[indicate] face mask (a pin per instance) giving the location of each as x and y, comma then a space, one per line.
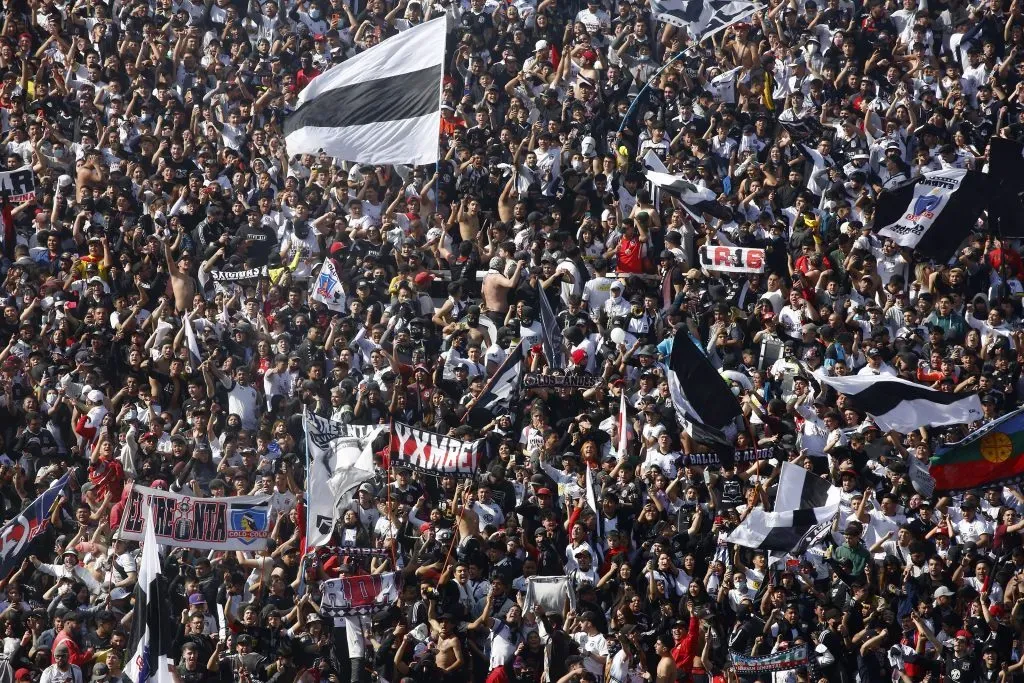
812, 48
577, 165
314, 14
929, 79
51, 397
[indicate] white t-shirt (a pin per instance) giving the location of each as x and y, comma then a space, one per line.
592, 645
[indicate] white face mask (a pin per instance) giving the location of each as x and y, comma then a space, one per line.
577, 165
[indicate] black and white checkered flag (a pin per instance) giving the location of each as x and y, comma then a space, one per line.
702, 18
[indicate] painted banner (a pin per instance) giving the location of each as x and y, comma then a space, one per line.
358, 595
20, 183
182, 521
238, 275
575, 380
732, 259
433, 453
777, 661
711, 459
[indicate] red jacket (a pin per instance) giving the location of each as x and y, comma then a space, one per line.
684, 650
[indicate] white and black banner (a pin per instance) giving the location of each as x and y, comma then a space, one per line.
238, 275
18, 185
327, 289
358, 595
383, 106
702, 18
550, 592
931, 195
338, 463
900, 405
182, 521
732, 259
433, 453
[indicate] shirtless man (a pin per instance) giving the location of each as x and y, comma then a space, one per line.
183, 285
449, 657
744, 52
496, 287
666, 665
469, 218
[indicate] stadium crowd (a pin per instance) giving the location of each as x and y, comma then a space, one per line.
154, 130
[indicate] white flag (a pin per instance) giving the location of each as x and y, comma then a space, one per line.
327, 287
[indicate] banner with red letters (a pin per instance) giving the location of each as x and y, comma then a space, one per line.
432, 453
732, 259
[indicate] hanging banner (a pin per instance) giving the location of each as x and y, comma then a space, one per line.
778, 661
238, 275
358, 595
732, 259
575, 380
181, 521
711, 459
433, 453
19, 183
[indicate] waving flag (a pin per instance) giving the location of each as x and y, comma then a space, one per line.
383, 106
550, 333
194, 353
991, 455
327, 287
153, 626
17, 535
702, 18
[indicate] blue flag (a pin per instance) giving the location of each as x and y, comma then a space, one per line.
17, 535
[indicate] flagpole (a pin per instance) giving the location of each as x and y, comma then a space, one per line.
650, 81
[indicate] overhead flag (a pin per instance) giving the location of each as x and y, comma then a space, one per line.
805, 506
503, 386
195, 354
896, 404
337, 462
383, 106
934, 212
702, 18
432, 453
696, 199
153, 626
358, 595
992, 455
704, 405
550, 332
17, 535
327, 289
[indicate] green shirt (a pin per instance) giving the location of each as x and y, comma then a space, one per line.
858, 555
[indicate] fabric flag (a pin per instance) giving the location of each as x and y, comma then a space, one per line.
920, 478
431, 453
550, 592
17, 535
900, 405
992, 455
327, 287
623, 427
934, 212
336, 464
805, 506
503, 386
383, 106
153, 626
194, 352
550, 332
697, 200
723, 86
783, 660
704, 405
1006, 174
591, 495
702, 18
358, 595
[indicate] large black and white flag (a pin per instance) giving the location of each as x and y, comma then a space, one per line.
897, 404
383, 106
702, 18
934, 212
153, 626
550, 332
704, 405
696, 199
805, 506
504, 384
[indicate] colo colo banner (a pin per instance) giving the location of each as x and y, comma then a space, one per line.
930, 196
238, 275
358, 595
778, 661
19, 184
234, 523
712, 459
575, 380
433, 453
17, 535
732, 259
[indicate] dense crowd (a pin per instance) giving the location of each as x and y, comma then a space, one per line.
154, 129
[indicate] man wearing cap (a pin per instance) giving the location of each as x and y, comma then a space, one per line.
63, 670
853, 549
69, 568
